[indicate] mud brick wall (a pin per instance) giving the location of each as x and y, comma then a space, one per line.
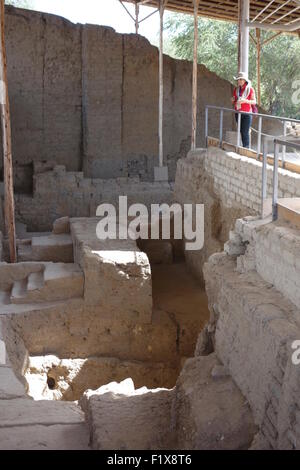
255, 319
238, 179
59, 192
229, 186
86, 97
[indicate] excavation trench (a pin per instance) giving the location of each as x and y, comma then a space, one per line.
73, 344
177, 293
119, 311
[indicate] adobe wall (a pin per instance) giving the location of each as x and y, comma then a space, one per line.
229, 186
255, 318
86, 97
58, 193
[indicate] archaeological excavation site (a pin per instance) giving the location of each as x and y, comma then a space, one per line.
144, 342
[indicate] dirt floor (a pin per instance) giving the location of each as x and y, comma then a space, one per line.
176, 291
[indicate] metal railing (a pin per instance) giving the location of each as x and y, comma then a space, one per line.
277, 143
260, 116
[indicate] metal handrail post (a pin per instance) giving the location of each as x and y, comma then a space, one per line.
275, 181
206, 126
259, 136
264, 174
238, 140
284, 147
221, 127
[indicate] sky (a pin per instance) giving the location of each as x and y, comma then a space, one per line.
104, 12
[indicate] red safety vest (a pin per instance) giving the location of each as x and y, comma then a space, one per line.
247, 108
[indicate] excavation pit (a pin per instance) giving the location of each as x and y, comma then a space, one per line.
115, 312
175, 291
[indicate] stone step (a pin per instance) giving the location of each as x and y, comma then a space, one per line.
45, 425
51, 247
63, 281
4, 297
58, 281
29, 308
41, 437
18, 291
35, 281
289, 210
24, 411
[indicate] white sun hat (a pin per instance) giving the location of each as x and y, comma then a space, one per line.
243, 76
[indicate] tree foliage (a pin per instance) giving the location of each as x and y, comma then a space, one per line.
19, 3
217, 50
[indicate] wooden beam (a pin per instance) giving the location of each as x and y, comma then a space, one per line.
271, 38
228, 10
253, 38
9, 204
137, 10
162, 4
126, 9
195, 77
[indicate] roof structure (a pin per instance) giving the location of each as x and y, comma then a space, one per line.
277, 15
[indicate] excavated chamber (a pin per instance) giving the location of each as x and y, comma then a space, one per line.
105, 316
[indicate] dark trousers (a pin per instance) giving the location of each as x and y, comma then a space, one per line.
246, 121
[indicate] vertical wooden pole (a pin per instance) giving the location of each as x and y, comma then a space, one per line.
161, 82
7, 153
258, 50
195, 76
137, 11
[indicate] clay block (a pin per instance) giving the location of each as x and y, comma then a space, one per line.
122, 418
24, 411
211, 414
39, 437
61, 225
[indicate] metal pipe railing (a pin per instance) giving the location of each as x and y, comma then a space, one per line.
267, 116
260, 116
277, 143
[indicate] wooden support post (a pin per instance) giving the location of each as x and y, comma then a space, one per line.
6, 138
258, 51
161, 171
137, 11
195, 76
161, 82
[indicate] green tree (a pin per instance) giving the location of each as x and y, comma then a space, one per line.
217, 50
19, 3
